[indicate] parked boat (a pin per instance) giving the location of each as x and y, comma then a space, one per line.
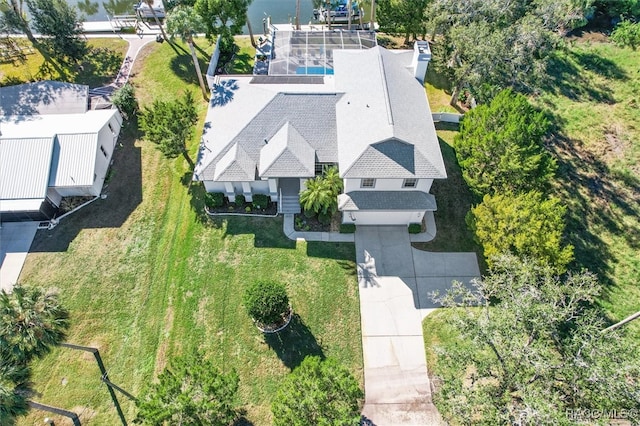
144, 11
339, 12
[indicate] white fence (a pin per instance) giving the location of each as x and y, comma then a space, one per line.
213, 64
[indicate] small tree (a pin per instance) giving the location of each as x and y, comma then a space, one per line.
31, 322
318, 393
627, 34
190, 391
267, 302
125, 99
320, 196
169, 124
500, 148
525, 225
60, 24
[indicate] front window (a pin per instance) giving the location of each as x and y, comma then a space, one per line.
368, 183
410, 183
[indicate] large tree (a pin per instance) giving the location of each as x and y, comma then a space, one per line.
495, 44
525, 225
184, 22
500, 147
406, 17
59, 23
191, 391
529, 350
170, 125
14, 18
318, 392
223, 17
31, 322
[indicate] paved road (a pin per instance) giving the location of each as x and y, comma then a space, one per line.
395, 281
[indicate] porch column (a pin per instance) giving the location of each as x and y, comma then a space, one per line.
273, 189
246, 191
303, 185
230, 191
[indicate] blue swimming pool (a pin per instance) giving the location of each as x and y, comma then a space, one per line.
314, 71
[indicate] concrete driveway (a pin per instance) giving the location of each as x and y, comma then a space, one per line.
395, 282
15, 241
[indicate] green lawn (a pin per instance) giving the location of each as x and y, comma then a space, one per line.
98, 68
594, 95
147, 277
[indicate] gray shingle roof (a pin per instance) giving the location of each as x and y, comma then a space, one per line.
386, 201
287, 154
312, 116
24, 168
384, 104
236, 165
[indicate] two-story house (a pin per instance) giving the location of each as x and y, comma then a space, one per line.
369, 117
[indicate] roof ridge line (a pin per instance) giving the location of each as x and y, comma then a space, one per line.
385, 89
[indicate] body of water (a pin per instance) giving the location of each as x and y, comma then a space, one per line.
281, 11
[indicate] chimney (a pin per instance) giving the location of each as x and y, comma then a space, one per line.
421, 58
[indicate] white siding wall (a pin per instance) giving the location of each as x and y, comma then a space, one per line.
257, 187
382, 218
76, 191
212, 186
387, 185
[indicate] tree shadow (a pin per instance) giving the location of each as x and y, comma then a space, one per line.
182, 67
123, 188
242, 421
331, 250
597, 199
39, 97
455, 200
241, 63
267, 231
567, 76
99, 67
222, 93
294, 343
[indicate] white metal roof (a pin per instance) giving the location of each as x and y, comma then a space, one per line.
24, 168
74, 158
52, 124
44, 97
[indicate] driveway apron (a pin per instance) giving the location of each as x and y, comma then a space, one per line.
395, 282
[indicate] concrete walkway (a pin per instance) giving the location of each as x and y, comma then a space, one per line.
15, 241
395, 281
292, 234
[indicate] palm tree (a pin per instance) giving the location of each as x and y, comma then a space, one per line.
318, 197
183, 21
31, 322
14, 391
333, 180
349, 10
253, 39
155, 17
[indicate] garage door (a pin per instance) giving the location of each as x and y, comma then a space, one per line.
382, 218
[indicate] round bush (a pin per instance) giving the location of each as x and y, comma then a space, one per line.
266, 302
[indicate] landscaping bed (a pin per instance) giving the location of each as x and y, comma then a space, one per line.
244, 208
303, 223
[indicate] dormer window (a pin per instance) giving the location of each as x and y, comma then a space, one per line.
410, 183
368, 183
